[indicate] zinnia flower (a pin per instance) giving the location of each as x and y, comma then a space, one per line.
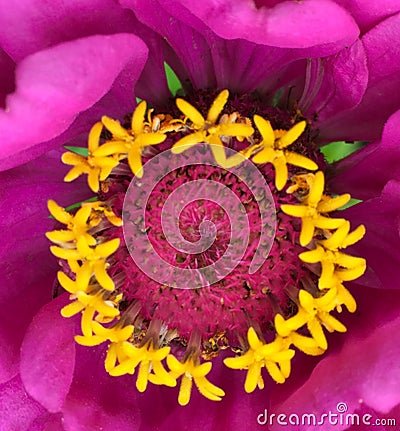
197, 234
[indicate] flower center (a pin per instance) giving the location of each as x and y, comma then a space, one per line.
226, 305
211, 252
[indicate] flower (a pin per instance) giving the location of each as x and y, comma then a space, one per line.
63, 86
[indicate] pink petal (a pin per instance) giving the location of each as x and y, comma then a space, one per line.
311, 22
368, 383
190, 46
33, 25
48, 355
152, 84
240, 64
366, 121
113, 402
380, 246
368, 13
30, 26
337, 84
50, 422
24, 219
7, 70
235, 412
364, 371
365, 173
55, 85
18, 410
99, 401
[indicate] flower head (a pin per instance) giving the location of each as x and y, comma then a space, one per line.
221, 282
255, 97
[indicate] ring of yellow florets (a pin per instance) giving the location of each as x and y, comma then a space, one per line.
92, 290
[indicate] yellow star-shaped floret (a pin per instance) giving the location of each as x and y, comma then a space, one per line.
274, 356
344, 297
88, 297
96, 258
191, 370
273, 150
94, 333
94, 302
80, 284
313, 206
150, 369
93, 258
342, 238
97, 167
207, 130
115, 354
328, 254
314, 312
130, 143
77, 225
286, 330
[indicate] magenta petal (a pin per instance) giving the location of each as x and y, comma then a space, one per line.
287, 25
98, 401
373, 309
50, 422
24, 219
48, 355
18, 411
32, 25
365, 173
182, 34
365, 371
7, 70
256, 63
335, 84
368, 13
152, 84
213, 61
55, 85
366, 121
380, 246
237, 411
366, 381
113, 403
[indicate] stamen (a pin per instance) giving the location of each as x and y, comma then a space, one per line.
149, 358
274, 356
273, 145
99, 334
130, 143
77, 225
314, 205
206, 130
331, 260
191, 370
312, 312
96, 167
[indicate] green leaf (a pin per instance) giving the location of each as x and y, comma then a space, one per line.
336, 151
78, 150
79, 204
174, 84
349, 204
